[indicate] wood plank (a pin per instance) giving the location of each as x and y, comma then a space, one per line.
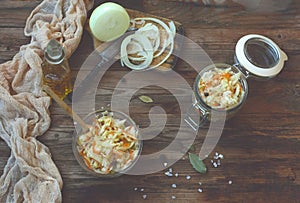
233, 16
260, 143
19, 4
10, 42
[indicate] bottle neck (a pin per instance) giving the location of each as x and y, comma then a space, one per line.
54, 52
54, 60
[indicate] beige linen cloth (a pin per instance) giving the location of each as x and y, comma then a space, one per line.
30, 175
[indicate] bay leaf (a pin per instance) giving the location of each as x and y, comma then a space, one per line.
192, 148
145, 99
197, 163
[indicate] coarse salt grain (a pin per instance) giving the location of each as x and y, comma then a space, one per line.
142, 189
174, 185
144, 196
230, 182
165, 164
135, 189
168, 174
173, 197
218, 156
215, 165
176, 174
200, 190
188, 177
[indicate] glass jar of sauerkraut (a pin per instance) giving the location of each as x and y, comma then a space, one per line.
223, 87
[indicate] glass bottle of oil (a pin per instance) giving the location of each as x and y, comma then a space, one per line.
56, 70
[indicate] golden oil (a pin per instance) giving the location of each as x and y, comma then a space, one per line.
56, 70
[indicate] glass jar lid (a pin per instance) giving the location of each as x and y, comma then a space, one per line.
54, 52
259, 55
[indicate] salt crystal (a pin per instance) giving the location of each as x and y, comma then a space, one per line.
165, 164
170, 170
176, 174
200, 190
142, 189
188, 177
168, 174
144, 196
215, 165
135, 189
200, 183
173, 197
221, 156
230, 182
174, 185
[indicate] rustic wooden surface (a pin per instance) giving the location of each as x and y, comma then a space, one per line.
261, 143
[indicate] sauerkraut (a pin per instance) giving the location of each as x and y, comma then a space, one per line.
109, 146
220, 88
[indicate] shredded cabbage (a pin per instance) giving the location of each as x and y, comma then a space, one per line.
220, 88
108, 146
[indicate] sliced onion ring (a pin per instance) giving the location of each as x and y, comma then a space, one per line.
168, 41
150, 44
146, 44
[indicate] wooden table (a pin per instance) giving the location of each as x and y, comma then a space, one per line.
261, 143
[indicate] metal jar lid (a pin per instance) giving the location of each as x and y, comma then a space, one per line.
259, 55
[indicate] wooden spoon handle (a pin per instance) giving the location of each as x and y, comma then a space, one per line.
64, 106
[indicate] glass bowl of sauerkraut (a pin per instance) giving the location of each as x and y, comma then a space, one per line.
110, 147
